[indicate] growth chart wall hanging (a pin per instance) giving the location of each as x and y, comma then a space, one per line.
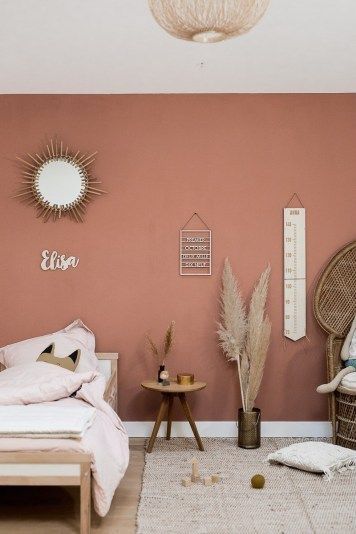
294, 272
195, 249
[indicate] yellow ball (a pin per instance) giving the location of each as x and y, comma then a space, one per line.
258, 481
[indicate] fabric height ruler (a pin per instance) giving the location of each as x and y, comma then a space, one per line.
294, 273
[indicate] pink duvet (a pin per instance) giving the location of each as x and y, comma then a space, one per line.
106, 440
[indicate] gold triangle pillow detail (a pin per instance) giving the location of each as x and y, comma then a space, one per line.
66, 362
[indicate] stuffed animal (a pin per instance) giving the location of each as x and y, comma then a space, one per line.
67, 362
348, 355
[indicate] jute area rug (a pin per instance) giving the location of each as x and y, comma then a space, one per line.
292, 501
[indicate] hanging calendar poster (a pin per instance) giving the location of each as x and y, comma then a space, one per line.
195, 250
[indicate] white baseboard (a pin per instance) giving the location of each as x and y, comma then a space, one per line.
228, 429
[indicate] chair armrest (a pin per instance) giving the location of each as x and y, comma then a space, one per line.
333, 360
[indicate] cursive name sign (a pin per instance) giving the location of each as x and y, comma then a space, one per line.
54, 260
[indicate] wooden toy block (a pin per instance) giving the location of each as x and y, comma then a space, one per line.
186, 482
208, 481
215, 478
195, 471
195, 480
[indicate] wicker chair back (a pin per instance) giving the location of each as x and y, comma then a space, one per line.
335, 293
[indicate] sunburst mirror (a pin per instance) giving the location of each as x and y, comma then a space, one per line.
58, 182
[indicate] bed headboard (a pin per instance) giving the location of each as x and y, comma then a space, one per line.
107, 363
108, 367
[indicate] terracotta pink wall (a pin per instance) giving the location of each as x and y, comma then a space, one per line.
236, 159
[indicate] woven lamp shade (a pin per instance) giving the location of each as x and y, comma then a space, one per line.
207, 21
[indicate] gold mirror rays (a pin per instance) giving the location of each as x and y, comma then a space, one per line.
57, 182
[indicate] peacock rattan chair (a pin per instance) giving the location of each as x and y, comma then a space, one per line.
335, 309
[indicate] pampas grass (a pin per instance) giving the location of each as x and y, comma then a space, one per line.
153, 348
257, 339
161, 356
168, 340
233, 326
245, 338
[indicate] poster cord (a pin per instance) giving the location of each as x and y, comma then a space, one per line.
195, 214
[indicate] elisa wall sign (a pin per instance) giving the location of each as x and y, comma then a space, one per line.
55, 260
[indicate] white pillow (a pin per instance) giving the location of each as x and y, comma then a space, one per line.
75, 336
316, 457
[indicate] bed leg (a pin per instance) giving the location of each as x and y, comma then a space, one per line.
85, 500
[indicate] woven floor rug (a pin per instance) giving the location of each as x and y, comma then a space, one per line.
291, 502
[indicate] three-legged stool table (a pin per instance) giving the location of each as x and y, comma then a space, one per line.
168, 393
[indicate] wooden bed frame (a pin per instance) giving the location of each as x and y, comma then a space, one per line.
61, 468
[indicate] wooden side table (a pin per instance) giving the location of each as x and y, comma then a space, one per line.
168, 394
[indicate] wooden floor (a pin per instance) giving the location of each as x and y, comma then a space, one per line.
52, 510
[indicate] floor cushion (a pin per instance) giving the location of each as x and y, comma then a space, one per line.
316, 457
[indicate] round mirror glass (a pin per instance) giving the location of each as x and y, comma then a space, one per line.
60, 182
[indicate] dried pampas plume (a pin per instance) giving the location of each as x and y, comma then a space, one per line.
167, 345
257, 339
153, 348
233, 325
168, 339
245, 339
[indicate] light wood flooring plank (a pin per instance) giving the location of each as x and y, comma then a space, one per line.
52, 510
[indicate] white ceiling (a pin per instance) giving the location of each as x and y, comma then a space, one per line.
115, 46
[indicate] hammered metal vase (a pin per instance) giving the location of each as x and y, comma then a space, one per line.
249, 429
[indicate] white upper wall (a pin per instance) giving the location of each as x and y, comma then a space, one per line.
115, 46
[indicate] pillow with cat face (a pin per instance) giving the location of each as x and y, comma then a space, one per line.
69, 362
72, 348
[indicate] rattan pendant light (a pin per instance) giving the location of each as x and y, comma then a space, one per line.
207, 21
